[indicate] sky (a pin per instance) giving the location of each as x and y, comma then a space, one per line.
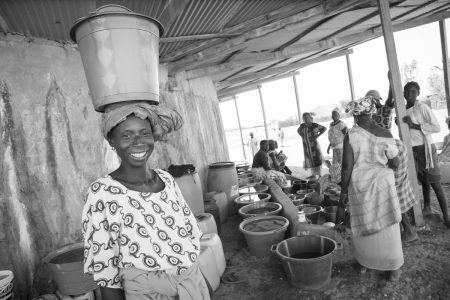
327, 82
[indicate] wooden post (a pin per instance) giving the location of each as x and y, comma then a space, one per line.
240, 128
263, 111
444, 48
399, 102
350, 76
297, 99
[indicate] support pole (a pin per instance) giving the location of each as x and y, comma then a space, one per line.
240, 128
399, 101
297, 99
444, 48
263, 111
350, 76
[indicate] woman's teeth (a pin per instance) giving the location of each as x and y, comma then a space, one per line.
138, 154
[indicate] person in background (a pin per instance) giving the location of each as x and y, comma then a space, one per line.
336, 135
252, 143
405, 193
141, 239
422, 123
310, 131
368, 189
281, 136
277, 160
261, 166
444, 156
383, 115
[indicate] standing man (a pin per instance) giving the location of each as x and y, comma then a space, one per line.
422, 123
281, 136
252, 143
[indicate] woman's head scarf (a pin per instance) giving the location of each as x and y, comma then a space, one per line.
361, 106
163, 120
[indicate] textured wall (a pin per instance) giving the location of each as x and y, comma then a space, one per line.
51, 148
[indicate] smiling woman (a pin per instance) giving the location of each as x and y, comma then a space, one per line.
141, 239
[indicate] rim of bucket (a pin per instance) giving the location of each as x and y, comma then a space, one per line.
8, 279
62, 250
282, 256
318, 208
124, 11
257, 205
239, 201
258, 218
221, 164
248, 186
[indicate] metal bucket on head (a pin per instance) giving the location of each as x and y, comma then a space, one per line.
120, 54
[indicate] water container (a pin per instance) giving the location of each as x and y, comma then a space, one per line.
6, 285
213, 241
212, 208
191, 188
206, 223
66, 267
208, 267
115, 71
222, 204
222, 177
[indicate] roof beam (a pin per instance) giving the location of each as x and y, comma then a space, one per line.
206, 36
265, 19
279, 70
224, 94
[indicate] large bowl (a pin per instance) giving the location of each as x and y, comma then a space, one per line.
252, 198
260, 209
312, 212
251, 189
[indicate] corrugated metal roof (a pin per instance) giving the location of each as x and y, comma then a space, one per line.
264, 28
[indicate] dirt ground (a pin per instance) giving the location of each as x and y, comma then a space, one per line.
425, 275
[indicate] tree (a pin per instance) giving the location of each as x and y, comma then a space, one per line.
409, 72
436, 82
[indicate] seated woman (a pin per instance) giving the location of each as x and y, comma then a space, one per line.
277, 159
141, 239
368, 189
261, 167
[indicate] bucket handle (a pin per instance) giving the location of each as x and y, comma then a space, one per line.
339, 246
273, 248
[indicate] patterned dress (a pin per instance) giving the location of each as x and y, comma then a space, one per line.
311, 148
373, 202
405, 192
124, 228
383, 116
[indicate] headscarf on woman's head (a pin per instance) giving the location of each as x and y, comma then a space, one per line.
163, 120
361, 106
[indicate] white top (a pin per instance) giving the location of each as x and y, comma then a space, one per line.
126, 228
421, 114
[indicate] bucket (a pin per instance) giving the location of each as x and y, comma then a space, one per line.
6, 285
208, 267
261, 232
206, 223
66, 267
213, 241
312, 212
222, 177
260, 209
251, 198
251, 189
307, 260
330, 213
116, 71
191, 188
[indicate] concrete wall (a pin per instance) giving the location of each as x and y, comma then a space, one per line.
51, 148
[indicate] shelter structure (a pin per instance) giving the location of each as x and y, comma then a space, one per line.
51, 145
